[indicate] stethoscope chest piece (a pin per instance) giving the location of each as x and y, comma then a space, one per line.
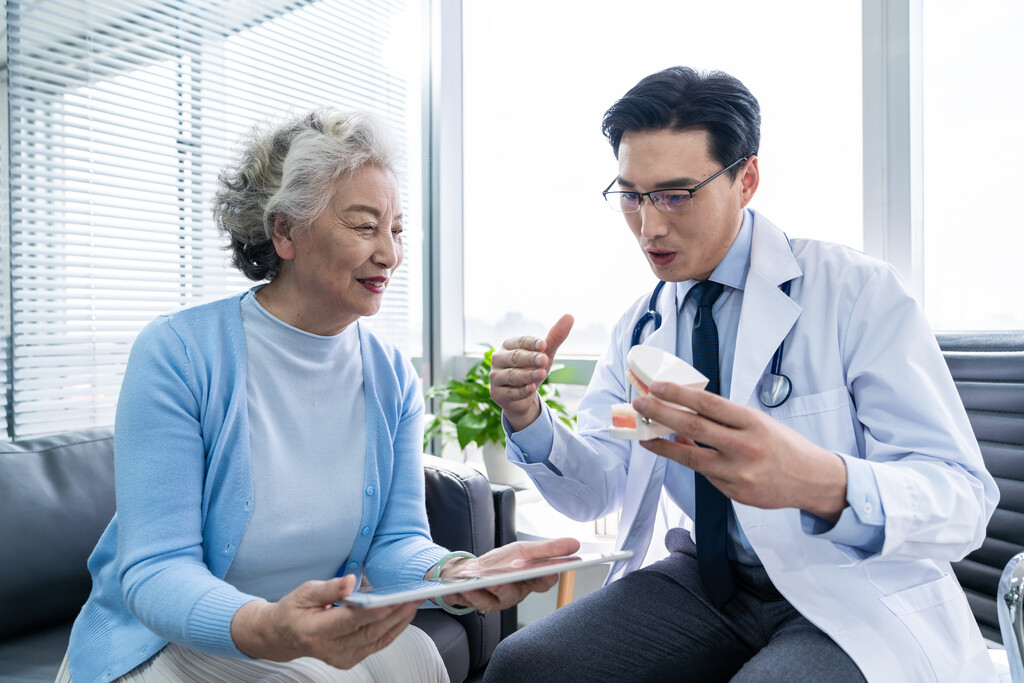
774, 390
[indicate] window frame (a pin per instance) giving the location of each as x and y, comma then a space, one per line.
892, 168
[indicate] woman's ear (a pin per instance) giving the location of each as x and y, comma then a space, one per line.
282, 237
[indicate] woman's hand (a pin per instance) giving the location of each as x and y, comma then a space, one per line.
307, 623
512, 556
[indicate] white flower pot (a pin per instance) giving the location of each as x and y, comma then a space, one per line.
500, 470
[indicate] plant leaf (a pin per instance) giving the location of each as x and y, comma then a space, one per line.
467, 432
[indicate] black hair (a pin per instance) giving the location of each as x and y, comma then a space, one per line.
679, 98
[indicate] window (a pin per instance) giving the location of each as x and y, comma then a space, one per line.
973, 140
537, 78
121, 116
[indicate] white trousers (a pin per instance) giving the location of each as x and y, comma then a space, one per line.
411, 657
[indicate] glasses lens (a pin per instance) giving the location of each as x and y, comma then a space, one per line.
671, 201
624, 202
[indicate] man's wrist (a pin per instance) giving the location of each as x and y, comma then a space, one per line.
527, 418
829, 496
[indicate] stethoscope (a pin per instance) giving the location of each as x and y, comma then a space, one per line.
775, 387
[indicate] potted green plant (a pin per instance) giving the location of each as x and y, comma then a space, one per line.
464, 412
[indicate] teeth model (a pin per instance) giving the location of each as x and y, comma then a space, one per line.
646, 365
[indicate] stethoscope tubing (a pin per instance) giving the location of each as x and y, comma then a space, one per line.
650, 315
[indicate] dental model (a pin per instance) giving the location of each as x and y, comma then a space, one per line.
646, 365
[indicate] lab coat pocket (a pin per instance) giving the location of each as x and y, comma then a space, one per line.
928, 612
824, 418
812, 404
923, 597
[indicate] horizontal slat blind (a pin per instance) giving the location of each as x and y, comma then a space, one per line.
5, 242
122, 113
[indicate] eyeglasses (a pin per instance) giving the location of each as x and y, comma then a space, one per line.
671, 200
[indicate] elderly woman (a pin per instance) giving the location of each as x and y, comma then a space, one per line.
268, 447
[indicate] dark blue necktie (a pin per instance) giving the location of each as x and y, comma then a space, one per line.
712, 516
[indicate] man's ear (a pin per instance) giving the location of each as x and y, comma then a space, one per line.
749, 180
282, 237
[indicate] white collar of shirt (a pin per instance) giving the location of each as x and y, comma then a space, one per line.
732, 271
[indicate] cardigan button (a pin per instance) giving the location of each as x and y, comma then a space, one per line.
370, 490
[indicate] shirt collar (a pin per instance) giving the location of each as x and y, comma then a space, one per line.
732, 270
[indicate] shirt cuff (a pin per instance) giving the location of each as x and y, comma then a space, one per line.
861, 526
210, 622
534, 442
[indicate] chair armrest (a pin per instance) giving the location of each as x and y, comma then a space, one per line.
504, 514
1010, 602
467, 512
505, 533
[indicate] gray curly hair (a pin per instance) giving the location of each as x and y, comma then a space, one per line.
291, 171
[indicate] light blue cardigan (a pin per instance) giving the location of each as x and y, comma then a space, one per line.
184, 491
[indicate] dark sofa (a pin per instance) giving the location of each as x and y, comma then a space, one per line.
57, 496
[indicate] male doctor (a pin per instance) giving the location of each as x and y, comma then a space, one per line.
824, 519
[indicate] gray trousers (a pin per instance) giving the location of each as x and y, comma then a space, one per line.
657, 624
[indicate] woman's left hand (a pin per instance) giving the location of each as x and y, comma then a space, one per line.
512, 556
308, 622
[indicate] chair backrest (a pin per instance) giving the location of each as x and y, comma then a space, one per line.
988, 368
56, 498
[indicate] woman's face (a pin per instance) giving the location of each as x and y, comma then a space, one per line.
337, 270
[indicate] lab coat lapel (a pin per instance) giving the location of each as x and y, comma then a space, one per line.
646, 470
767, 314
663, 338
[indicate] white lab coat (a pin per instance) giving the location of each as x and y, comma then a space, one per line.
869, 381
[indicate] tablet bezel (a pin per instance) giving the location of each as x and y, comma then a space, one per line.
418, 591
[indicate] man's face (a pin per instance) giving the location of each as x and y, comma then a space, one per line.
689, 244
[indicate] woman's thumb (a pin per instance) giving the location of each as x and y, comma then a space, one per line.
326, 592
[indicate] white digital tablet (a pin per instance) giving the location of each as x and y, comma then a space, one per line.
418, 591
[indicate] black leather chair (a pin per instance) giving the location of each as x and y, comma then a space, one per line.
57, 496
467, 512
988, 368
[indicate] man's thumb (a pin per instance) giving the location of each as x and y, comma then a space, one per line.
557, 334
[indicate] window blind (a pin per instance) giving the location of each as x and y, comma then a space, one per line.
121, 115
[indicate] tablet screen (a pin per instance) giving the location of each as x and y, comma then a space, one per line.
417, 591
